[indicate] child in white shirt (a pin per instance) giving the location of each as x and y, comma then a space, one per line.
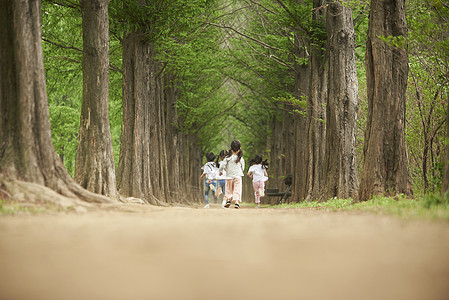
258, 172
221, 179
233, 164
210, 170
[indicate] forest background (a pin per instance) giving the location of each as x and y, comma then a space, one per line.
222, 70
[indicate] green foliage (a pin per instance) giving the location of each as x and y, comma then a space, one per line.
159, 19
300, 105
190, 52
332, 204
64, 119
6, 209
428, 91
435, 200
188, 49
260, 58
360, 12
202, 104
62, 46
115, 110
398, 42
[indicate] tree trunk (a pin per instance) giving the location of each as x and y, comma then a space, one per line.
446, 160
194, 159
26, 150
384, 170
134, 171
425, 157
160, 126
172, 140
94, 163
315, 113
276, 157
288, 139
143, 166
340, 167
301, 90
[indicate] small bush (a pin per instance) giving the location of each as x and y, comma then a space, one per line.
435, 199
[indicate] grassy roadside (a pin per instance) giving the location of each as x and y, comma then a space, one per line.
427, 207
8, 207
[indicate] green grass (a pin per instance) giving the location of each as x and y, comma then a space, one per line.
426, 207
8, 207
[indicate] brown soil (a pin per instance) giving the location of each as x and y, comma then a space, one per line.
143, 252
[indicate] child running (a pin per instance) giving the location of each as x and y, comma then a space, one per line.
258, 172
221, 179
233, 164
210, 170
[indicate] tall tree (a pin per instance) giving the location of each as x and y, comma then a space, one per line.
156, 45
340, 167
316, 118
301, 91
173, 137
446, 158
27, 156
94, 163
385, 169
138, 171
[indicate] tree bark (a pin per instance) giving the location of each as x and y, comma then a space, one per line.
193, 158
143, 166
385, 170
288, 139
26, 150
315, 112
340, 166
94, 163
301, 91
277, 157
152, 166
446, 160
134, 174
160, 128
172, 140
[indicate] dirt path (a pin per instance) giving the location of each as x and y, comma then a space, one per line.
143, 252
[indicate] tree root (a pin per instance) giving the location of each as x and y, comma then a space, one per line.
29, 192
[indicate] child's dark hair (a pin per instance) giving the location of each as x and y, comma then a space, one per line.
223, 153
258, 160
210, 157
236, 147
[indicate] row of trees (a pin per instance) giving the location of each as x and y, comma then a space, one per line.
350, 128
314, 45
158, 162
155, 155
163, 82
